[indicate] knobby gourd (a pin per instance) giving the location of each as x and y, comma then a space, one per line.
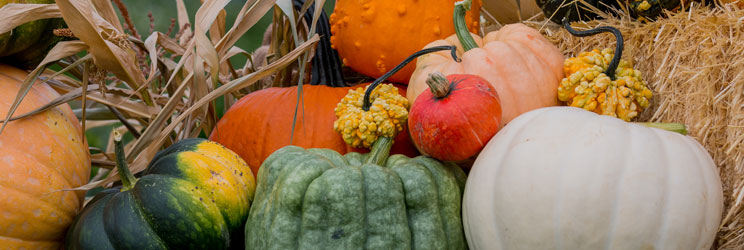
374, 36
600, 81
564, 177
40, 156
522, 66
195, 194
319, 199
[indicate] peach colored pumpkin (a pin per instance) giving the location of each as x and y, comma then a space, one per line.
39, 156
523, 67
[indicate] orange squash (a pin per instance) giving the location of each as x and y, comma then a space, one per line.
372, 37
39, 156
523, 67
261, 122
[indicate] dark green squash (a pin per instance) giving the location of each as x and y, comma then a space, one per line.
319, 199
196, 194
579, 11
26, 45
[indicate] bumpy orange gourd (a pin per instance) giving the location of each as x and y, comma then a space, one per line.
39, 156
523, 67
372, 37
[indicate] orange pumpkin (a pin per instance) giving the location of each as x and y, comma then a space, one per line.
39, 156
372, 37
523, 67
261, 122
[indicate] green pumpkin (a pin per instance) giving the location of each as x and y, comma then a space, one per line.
26, 45
319, 199
642, 9
195, 194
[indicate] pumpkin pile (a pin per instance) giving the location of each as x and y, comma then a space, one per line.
485, 142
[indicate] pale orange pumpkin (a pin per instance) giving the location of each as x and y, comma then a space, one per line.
523, 67
372, 37
39, 156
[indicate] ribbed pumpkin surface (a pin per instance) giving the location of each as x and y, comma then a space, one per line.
39, 156
566, 178
261, 122
319, 199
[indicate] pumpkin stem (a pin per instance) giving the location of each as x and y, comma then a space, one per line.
461, 27
380, 151
127, 178
618, 47
367, 102
673, 127
438, 85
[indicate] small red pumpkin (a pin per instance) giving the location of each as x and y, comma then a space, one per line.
456, 118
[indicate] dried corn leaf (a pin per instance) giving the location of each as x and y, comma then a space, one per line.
132, 107
248, 16
16, 14
234, 51
106, 9
158, 123
183, 22
109, 46
243, 82
69, 96
170, 45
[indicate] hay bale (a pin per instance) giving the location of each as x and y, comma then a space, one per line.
694, 62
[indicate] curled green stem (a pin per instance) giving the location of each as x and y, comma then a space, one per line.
461, 27
127, 178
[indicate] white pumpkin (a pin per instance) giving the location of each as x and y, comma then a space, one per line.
566, 178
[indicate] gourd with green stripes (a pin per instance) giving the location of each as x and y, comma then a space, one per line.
195, 194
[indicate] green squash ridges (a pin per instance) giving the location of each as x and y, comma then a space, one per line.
334, 207
319, 199
128, 227
195, 195
424, 217
89, 234
387, 222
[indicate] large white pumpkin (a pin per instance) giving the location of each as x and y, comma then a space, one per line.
565, 178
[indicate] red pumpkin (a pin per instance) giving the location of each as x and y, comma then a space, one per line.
455, 119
